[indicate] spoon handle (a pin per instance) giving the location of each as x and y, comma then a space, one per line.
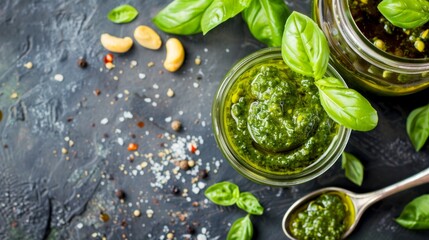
415, 180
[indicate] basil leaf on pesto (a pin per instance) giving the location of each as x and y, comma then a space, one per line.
415, 214
405, 13
418, 126
266, 20
241, 229
249, 203
182, 17
122, 14
223, 193
221, 10
304, 46
353, 168
346, 106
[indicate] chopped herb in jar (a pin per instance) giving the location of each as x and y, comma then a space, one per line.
401, 42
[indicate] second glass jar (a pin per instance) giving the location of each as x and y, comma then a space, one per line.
361, 63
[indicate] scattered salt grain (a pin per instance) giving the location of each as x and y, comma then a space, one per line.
133, 63
142, 75
128, 115
201, 237
58, 77
104, 121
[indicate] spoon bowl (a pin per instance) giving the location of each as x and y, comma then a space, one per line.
356, 203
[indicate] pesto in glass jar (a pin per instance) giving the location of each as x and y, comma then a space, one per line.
275, 121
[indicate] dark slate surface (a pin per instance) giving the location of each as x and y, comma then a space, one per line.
45, 194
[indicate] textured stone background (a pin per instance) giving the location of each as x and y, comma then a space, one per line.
45, 194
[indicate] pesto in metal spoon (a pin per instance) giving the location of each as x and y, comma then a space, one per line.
356, 203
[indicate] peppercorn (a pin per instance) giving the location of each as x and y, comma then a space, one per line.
104, 217
170, 236
184, 165
203, 173
82, 63
176, 125
97, 92
120, 194
133, 147
136, 213
175, 190
190, 229
108, 58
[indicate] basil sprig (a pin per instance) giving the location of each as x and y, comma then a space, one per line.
221, 10
241, 229
405, 13
353, 168
249, 203
182, 16
415, 214
265, 19
418, 126
305, 50
123, 14
226, 194
223, 193
345, 105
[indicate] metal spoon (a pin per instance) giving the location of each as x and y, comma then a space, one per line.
360, 202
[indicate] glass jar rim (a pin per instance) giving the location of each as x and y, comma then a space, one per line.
319, 166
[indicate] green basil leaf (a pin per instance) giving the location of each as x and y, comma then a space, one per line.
249, 203
266, 20
415, 214
304, 46
418, 126
346, 106
353, 168
123, 14
405, 13
223, 193
241, 229
220, 11
182, 17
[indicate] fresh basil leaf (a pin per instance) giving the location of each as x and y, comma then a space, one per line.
266, 20
304, 46
249, 203
405, 13
182, 17
223, 193
123, 14
353, 168
415, 214
346, 106
221, 10
418, 126
241, 229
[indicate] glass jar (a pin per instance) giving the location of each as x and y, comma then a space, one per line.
361, 63
221, 108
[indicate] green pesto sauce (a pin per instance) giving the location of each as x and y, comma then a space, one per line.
275, 121
324, 218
